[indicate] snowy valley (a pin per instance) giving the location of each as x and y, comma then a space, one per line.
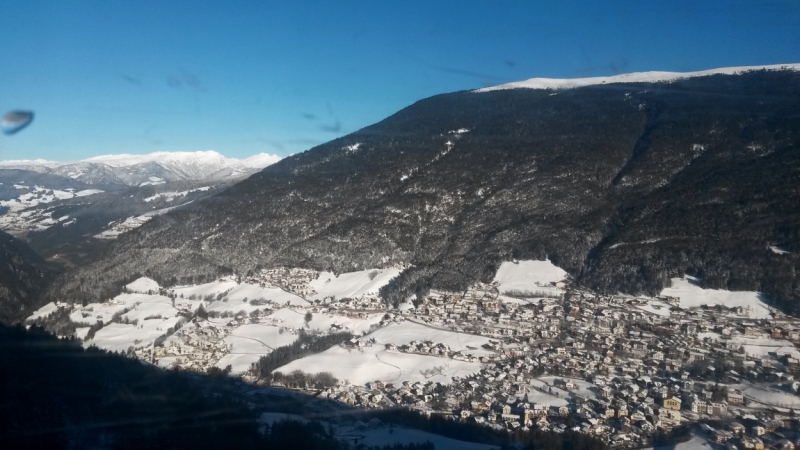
527, 350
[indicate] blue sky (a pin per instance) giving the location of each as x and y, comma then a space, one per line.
243, 77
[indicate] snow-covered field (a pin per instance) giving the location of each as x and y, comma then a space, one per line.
117, 337
762, 346
170, 196
37, 195
246, 321
352, 284
250, 342
142, 286
275, 295
237, 293
323, 322
18, 219
529, 276
656, 307
44, 311
585, 388
119, 227
407, 331
148, 317
375, 363
693, 296
772, 397
552, 395
695, 443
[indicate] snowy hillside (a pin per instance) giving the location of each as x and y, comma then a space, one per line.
535, 176
529, 277
637, 77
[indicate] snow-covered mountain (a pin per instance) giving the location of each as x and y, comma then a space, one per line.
622, 186
636, 77
151, 168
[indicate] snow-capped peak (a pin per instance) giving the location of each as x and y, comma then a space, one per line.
28, 162
637, 77
260, 160
202, 157
140, 169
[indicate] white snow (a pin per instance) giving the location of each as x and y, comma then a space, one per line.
695, 443
86, 192
143, 310
693, 296
259, 161
142, 285
187, 165
237, 294
200, 158
170, 196
375, 363
288, 317
205, 289
537, 396
764, 345
408, 331
406, 306
771, 396
275, 295
352, 284
637, 77
778, 250
44, 311
153, 181
38, 195
585, 388
20, 219
118, 337
191, 165
128, 224
656, 307
530, 276
250, 342
352, 148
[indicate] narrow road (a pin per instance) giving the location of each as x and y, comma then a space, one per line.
252, 339
392, 365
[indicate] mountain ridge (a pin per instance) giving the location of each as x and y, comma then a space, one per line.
624, 186
132, 170
633, 77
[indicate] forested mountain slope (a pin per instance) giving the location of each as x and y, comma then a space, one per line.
23, 275
622, 185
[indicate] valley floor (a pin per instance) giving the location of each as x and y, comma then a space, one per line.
526, 351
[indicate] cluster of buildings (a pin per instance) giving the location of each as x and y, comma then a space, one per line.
196, 346
296, 281
619, 368
755, 434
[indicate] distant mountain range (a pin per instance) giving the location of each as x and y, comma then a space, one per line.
152, 168
69, 212
623, 184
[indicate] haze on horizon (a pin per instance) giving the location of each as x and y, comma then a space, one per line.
279, 78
